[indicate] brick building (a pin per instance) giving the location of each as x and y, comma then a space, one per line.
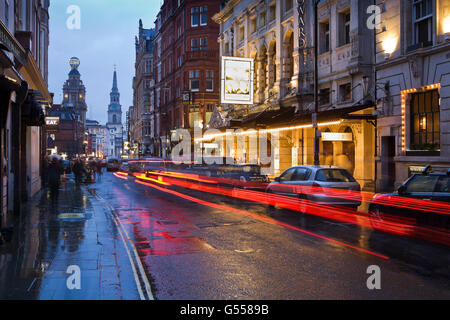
186, 55
62, 140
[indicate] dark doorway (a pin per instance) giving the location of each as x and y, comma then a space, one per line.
387, 163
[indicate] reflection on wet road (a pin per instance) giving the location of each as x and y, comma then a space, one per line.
195, 245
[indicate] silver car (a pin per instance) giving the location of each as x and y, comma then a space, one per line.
322, 184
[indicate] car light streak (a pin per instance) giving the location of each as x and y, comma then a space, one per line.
120, 175
395, 225
258, 217
144, 177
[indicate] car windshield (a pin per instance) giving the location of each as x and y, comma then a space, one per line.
334, 175
422, 183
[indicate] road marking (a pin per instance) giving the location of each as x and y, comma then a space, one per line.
130, 243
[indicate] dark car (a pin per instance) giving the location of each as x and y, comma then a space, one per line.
423, 200
247, 176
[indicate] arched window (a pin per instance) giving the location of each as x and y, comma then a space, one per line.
114, 118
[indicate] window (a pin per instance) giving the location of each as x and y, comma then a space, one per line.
262, 19
194, 44
324, 96
345, 92
324, 30
203, 16
425, 121
203, 43
344, 28
334, 175
288, 5
194, 17
148, 66
422, 183
301, 174
252, 25
6, 14
194, 80
241, 33
210, 81
273, 12
288, 175
422, 17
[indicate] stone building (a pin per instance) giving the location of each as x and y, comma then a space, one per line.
97, 139
74, 101
413, 81
142, 118
279, 36
114, 137
24, 99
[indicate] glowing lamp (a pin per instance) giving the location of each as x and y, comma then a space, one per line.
446, 26
389, 45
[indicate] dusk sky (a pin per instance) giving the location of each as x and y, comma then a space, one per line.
105, 38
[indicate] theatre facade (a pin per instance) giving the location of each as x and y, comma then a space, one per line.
278, 37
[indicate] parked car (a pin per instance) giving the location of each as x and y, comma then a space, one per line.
426, 186
124, 166
324, 179
113, 164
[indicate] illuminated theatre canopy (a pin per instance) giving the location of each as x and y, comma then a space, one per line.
237, 80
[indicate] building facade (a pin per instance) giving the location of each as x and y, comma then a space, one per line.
24, 99
61, 138
279, 37
97, 146
114, 136
186, 68
74, 101
413, 81
142, 117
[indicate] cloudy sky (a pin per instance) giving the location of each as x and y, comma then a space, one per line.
105, 38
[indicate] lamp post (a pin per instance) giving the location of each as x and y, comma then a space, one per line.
316, 85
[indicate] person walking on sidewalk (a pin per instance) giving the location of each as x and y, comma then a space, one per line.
45, 164
54, 178
99, 169
78, 170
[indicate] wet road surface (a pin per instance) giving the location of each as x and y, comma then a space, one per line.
194, 245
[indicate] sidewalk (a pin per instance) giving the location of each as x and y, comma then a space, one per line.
77, 230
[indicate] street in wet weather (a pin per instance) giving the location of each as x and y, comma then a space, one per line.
225, 150
143, 241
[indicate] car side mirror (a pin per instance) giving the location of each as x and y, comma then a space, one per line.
277, 179
402, 190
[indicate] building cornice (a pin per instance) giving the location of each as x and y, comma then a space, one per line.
226, 12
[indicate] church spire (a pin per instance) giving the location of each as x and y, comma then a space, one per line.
114, 87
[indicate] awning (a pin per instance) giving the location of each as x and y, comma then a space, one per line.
32, 111
7, 85
288, 117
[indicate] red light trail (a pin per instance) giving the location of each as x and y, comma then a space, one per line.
258, 217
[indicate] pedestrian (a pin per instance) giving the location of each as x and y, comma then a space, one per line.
78, 170
45, 164
54, 178
99, 170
